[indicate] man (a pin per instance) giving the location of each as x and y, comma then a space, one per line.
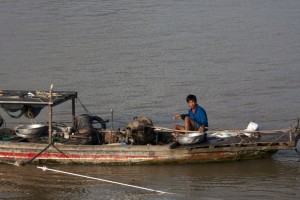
195, 119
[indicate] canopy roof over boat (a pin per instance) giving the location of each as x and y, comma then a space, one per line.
35, 98
31, 102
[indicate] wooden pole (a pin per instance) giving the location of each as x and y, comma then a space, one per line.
73, 112
50, 115
218, 131
112, 125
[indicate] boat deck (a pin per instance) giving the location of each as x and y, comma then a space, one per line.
281, 139
264, 139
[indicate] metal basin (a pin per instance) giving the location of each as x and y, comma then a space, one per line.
31, 131
191, 138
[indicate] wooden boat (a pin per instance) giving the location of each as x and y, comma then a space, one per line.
118, 147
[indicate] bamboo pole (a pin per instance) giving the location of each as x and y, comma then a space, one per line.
218, 131
73, 112
112, 125
50, 115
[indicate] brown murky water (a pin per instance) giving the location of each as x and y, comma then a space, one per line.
241, 58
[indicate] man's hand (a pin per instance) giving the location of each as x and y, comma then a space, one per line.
177, 117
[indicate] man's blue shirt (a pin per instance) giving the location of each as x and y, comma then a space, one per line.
199, 116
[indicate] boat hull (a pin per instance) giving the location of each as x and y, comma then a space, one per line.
129, 155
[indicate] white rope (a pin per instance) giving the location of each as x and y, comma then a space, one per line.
44, 168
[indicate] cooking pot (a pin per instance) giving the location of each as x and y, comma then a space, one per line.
31, 131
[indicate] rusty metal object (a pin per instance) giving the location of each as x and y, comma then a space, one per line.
140, 131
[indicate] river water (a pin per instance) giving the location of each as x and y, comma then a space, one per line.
142, 57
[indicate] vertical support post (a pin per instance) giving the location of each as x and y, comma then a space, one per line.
50, 115
112, 119
112, 125
73, 112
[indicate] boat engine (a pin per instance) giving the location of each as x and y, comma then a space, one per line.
140, 131
84, 124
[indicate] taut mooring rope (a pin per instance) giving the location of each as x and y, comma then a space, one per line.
99, 179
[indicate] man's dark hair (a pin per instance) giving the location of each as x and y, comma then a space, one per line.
191, 97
